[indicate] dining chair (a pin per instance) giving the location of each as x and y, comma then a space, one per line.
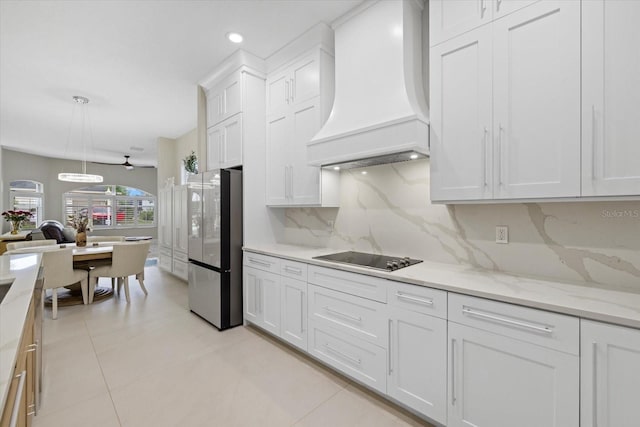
30, 243
59, 272
92, 239
127, 259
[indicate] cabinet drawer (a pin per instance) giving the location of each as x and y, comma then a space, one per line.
552, 330
363, 361
293, 269
181, 269
356, 284
355, 316
418, 299
262, 262
180, 256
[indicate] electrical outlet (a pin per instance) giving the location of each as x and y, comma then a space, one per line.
502, 234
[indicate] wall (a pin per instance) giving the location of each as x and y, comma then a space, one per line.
388, 211
17, 166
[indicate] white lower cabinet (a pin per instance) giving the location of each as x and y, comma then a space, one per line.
294, 312
502, 379
262, 299
417, 365
359, 359
610, 375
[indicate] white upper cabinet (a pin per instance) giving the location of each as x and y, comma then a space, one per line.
611, 98
610, 375
461, 124
505, 122
224, 144
225, 99
297, 106
536, 101
448, 19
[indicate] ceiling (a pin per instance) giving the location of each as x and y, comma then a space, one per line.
137, 61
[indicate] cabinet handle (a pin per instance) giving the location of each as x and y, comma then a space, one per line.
302, 314
292, 89
286, 182
343, 355
15, 411
594, 129
257, 261
498, 3
483, 8
484, 156
500, 129
594, 387
31, 348
414, 299
224, 102
345, 315
293, 270
391, 347
291, 181
286, 90
453, 371
223, 147
259, 296
545, 329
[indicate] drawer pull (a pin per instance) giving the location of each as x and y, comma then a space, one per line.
262, 263
414, 299
453, 372
341, 354
594, 387
470, 312
15, 411
345, 315
293, 270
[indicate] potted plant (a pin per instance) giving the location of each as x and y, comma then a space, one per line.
16, 218
80, 222
191, 163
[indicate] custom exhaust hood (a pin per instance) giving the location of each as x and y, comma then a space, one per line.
379, 111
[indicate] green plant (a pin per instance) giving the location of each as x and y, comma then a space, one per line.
191, 163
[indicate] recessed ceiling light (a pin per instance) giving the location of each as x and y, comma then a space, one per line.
336, 168
413, 156
363, 172
235, 37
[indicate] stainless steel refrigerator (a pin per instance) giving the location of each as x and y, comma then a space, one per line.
215, 246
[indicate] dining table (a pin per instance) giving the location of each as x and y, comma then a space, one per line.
84, 258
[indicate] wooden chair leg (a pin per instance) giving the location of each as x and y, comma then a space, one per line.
120, 279
141, 281
113, 283
85, 291
54, 303
126, 288
92, 288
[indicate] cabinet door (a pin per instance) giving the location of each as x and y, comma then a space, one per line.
165, 218
537, 101
294, 312
610, 98
610, 375
418, 362
461, 146
231, 151
215, 141
448, 19
304, 180
180, 223
251, 282
224, 100
269, 301
278, 135
496, 381
214, 107
504, 7
305, 79
278, 89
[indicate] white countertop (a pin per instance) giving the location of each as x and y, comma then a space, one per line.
590, 301
13, 311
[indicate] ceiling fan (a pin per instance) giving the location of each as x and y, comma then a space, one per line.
127, 165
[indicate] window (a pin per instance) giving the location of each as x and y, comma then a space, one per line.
112, 206
27, 196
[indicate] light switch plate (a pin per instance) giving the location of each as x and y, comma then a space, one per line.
502, 234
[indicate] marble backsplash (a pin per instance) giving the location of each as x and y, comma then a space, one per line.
388, 211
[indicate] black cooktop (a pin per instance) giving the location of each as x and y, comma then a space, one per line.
379, 262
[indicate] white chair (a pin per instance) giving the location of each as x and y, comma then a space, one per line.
128, 259
30, 243
59, 272
92, 239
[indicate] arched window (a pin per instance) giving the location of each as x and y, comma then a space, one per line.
26, 195
112, 206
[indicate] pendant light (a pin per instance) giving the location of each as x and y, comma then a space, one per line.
82, 102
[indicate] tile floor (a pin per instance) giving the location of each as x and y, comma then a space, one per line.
153, 363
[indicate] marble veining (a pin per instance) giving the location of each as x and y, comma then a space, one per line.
388, 211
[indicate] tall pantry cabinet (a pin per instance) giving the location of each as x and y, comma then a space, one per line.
172, 230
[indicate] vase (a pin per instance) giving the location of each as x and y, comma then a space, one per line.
15, 226
81, 239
